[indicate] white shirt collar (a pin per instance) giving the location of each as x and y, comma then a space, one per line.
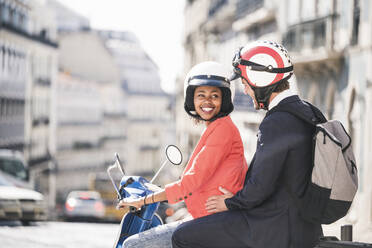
278, 98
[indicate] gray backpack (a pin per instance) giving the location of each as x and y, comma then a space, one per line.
334, 178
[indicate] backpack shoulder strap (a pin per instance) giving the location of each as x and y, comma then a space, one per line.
318, 114
319, 117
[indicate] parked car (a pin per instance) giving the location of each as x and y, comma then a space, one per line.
18, 203
84, 205
10, 208
14, 166
101, 183
32, 205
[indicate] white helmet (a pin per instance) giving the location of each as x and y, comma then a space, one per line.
209, 73
263, 65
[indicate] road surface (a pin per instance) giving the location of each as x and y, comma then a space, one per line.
57, 234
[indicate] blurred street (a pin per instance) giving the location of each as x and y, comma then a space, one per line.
80, 234
57, 234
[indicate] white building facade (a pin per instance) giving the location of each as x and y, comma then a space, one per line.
146, 104
330, 43
29, 55
89, 110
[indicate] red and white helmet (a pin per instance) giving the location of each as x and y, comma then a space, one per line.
263, 65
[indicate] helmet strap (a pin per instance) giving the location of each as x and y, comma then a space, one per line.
257, 67
262, 94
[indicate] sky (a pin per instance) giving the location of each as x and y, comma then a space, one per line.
158, 24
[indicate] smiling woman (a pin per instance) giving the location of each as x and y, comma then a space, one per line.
208, 95
217, 163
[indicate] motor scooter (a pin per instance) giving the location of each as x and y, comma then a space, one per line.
139, 220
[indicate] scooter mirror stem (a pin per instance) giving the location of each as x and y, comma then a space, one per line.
157, 173
120, 165
112, 180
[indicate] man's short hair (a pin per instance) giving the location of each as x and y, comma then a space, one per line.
282, 86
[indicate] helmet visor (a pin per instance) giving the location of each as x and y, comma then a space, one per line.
209, 80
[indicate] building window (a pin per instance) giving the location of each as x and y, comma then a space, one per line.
308, 9
324, 7
5, 59
293, 16
2, 108
1, 58
216, 6
4, 13
244, 7
350, 114
319, 38
330, 99
356, 21
14, 17
7, 107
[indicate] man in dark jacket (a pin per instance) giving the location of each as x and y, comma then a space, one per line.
264, 214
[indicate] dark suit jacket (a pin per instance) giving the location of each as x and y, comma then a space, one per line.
283, 160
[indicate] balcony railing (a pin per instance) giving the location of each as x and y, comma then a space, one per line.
43, 81
311, 35
245, 7
356, 22
42, 38
11, 133
42, 120
216, 6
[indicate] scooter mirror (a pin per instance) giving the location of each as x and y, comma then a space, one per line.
173, 154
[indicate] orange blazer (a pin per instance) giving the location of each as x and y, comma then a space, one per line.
218, 160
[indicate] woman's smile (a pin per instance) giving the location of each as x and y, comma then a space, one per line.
207, 101
207, 109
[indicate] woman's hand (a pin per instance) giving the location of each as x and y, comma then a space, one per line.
130, 202
216, 203
158, 196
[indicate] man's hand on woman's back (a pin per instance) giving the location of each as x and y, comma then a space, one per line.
216, 203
